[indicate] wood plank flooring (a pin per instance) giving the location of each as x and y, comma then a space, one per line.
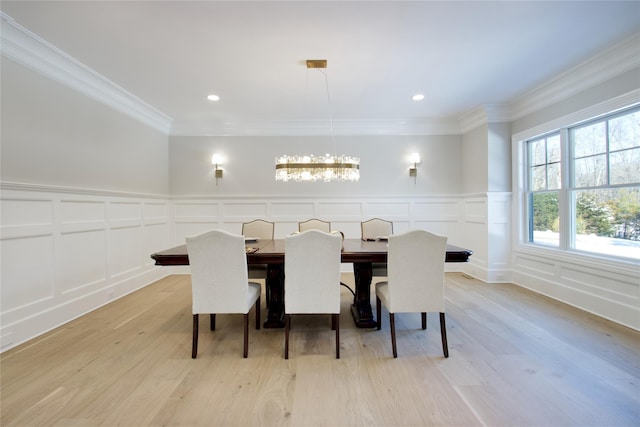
516, 359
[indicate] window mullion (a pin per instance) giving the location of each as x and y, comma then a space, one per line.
565, 202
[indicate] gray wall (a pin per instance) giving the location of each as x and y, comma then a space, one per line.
249, 166
474, 161
54, 136
499, 157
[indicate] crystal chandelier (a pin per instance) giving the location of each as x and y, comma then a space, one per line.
325, 168
315, 168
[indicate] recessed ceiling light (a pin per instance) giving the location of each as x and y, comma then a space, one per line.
213, 97
418, 97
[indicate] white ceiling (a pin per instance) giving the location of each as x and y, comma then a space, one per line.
460, 55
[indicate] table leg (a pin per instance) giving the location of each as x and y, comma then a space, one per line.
361, 307
275, 283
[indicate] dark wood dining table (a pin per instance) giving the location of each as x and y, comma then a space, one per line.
362, 254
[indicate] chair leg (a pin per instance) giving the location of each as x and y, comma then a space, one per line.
443, 333
212, 321
392, 322
258, 313
336, 321
287, 326
424, 320
378, 314
246, 335
194, 345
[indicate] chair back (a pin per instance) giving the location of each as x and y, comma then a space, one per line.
375, 228
314, 224
219, 279
259, 228
415, 263
312, 272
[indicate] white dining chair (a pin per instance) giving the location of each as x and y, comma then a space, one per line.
314, 224
261, 230
219, 281
374, 229
415, 281
258, 228
312, 279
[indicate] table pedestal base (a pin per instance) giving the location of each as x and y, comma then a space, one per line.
361, 307
275, 282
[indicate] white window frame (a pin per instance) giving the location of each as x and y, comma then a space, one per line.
520, 170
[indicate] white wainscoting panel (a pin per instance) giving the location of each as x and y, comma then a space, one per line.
299, 210
605, 288
498, 237
244, 210
29, 264
475, 229
389, 209
125, 245
26, 212
82, 260
339, 210
69, 251
440, 214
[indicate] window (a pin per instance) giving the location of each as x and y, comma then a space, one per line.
544, 179
584, 187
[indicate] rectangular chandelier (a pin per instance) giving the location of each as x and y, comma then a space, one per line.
313, 168
318, 168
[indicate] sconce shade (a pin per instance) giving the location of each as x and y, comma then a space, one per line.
216, 160
415, 159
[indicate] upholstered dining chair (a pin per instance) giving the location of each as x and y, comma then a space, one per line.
312, 279
262, 230
219, 281
375, 228
258, 228
415, 281
372, 230
314, 224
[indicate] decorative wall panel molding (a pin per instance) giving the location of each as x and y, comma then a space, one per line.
440, 214
66, 252
601, 287
92, 247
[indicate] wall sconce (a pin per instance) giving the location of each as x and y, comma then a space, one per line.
415, 159
216, 160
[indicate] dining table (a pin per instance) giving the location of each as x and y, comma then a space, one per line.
362, 254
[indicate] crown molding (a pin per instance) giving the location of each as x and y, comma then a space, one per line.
612, 105
30, 50
612, 62
484, 114
322, 128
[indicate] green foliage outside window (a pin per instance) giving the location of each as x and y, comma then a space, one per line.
545, 211
593, 217
626, 210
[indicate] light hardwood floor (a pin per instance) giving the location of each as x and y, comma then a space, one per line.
516, 359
